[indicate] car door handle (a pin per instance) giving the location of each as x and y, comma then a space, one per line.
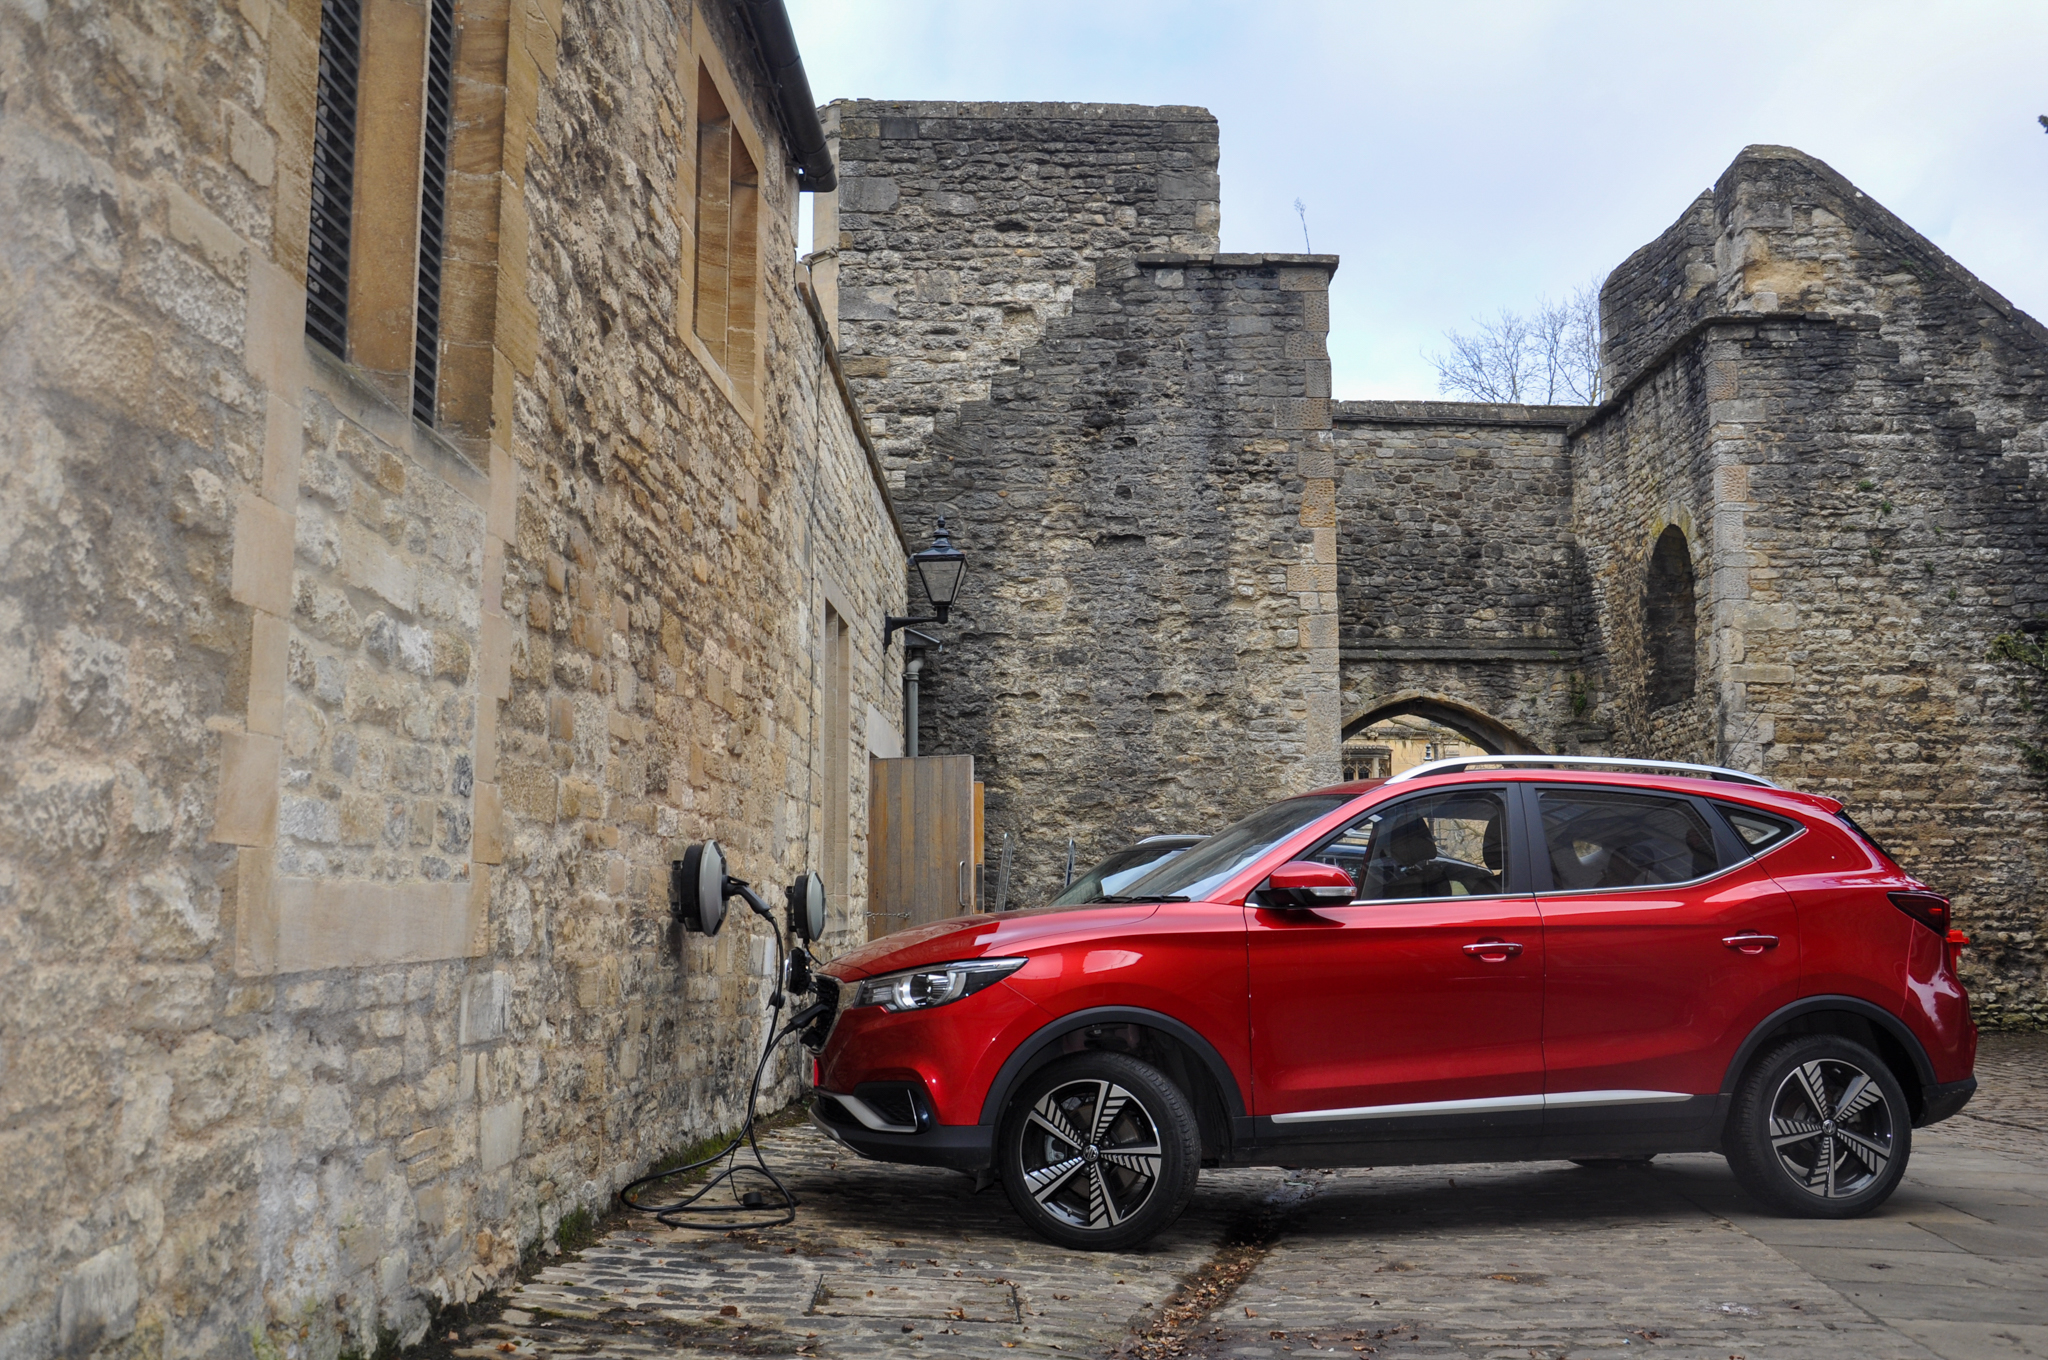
1493, 951
1750, 942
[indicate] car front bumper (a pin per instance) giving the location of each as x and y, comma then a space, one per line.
958, 1147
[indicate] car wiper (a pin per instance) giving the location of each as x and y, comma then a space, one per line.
1146, 897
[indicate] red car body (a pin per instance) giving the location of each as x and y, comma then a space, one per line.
1537, 1021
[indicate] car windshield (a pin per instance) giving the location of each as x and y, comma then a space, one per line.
1111, 876
1208, 866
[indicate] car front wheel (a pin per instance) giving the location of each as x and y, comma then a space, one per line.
1100, 1151
1820, 1129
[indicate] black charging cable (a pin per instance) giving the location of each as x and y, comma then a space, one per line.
688, 1212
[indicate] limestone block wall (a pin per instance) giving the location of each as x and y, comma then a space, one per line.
340, 757
1858, 430
1459, 579
1148, 642
961, 230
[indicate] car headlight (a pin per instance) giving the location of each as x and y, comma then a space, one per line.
928, 987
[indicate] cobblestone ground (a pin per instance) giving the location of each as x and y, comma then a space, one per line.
1534, 1261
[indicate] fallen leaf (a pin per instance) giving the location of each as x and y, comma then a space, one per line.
729, 1310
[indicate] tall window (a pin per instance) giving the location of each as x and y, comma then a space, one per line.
383, 104
838, 736
334, 162
426, 364
1670, 632
728, 263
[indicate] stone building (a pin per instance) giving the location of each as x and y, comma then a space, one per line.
1785, 543
362, 658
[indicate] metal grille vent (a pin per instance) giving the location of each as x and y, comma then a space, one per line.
426, 361
334, 171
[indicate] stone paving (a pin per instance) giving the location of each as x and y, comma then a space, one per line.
1534, 1261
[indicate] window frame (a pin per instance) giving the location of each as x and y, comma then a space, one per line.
703, 56
1731, 849
1514, 873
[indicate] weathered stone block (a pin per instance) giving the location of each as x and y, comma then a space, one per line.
96, 1303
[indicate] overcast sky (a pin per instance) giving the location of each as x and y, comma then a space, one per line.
1464, 157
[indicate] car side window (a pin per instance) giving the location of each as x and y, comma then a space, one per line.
1451, 844
1610, 838
1759, 830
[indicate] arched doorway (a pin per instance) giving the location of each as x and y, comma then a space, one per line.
1670, 621
1368, 759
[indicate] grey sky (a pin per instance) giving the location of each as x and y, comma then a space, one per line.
1463, 157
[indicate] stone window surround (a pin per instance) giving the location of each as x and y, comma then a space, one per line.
285, 925
703, 56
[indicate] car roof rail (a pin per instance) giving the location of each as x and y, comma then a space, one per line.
1454, 764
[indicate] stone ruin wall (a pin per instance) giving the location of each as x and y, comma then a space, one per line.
1460, 582
340, 759
1143, 485
1868, 469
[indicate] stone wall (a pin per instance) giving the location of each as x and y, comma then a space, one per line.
960, 231
1854, 435
1129, 437
341, 757
1460, 582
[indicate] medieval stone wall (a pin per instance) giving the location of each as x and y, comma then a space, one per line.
1853, 433
960, 231
340, 757
1459, 578
1128, 435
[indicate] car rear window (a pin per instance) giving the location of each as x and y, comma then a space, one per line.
1846, 820
1758, 831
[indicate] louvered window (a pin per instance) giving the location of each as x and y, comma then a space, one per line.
433, 208
334, 157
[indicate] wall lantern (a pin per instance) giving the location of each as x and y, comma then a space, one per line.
941, 567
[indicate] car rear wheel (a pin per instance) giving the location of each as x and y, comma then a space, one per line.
1100, 1151
1820, 1129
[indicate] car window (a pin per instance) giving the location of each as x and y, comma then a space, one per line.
1119, 871
1208, 866
1605, 838
1759, 830
1443, 845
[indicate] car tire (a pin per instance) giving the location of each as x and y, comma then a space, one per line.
1099, 1152
1820, 1129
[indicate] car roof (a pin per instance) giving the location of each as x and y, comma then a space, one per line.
1758, 794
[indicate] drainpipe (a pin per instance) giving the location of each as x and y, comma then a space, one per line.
794, 105
910, 670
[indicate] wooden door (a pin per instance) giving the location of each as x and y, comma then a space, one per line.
921, 851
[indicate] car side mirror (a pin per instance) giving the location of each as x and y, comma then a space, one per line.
1307, 883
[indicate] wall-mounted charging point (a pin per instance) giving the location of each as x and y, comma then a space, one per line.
698, 886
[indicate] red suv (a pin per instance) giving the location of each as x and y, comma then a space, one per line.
1477, 960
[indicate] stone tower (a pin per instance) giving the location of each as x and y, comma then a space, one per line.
1128, 433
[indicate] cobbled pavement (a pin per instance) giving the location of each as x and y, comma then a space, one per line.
1522, 1261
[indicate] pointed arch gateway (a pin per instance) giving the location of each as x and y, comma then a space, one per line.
1488, 733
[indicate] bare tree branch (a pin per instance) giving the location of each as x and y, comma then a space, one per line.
1550, 356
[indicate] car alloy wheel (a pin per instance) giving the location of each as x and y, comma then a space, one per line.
1100, 1151
1831, 1128
1820, 1129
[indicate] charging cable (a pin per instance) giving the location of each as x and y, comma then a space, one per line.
792, 971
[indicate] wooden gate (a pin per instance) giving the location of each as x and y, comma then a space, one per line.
923, 860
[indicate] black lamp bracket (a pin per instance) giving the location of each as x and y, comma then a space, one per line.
891, 622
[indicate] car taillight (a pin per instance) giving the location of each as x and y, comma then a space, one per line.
1929, 909
1957, 942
